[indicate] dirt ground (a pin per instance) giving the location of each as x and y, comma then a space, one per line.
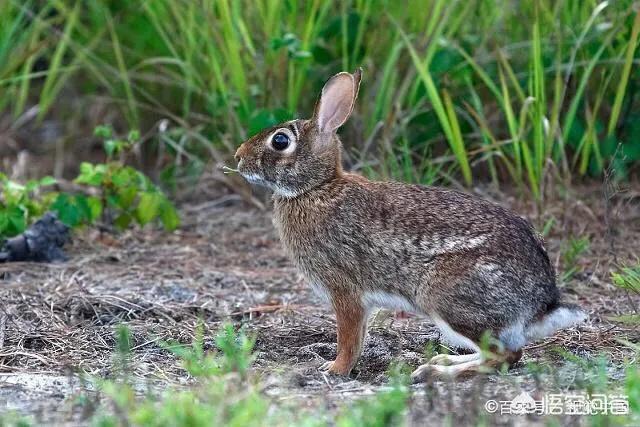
226, 264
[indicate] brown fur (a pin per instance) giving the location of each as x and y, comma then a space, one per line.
472, 263
351, 321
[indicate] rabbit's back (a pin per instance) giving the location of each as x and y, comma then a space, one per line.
389, 222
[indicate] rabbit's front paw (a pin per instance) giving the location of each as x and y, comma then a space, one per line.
332, 367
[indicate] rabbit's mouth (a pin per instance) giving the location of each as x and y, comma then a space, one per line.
254, 178
250, 176
258, 179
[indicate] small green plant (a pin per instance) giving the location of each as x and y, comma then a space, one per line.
114, 146
219, 395
235, 353
117, 193
632, 389
236, 349
225, 393
430, 350
572, 250
589, 374
21, 204
593, 376
14, 420
385, 408
126, 194
628, 278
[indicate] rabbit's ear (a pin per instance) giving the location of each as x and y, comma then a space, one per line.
337, 100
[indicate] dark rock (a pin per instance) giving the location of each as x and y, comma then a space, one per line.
42, 242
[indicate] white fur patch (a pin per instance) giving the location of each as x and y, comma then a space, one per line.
560, 318
463, 243
284, 192
451, 337
513, 337
490, 271
380, 299
437, 245
320, 291
517, 336
254, 178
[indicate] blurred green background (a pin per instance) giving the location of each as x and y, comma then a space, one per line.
513, 92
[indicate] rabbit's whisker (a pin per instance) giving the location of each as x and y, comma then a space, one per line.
228, 170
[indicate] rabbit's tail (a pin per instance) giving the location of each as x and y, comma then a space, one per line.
560, 317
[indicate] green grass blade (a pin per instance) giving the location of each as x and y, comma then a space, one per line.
457, 142
54, 78
444, 115
624, 78
124, 74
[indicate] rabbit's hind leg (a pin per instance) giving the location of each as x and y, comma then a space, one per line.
451, 366
464, 363
444, 365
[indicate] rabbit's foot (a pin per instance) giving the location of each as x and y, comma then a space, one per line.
331, 367
326, 366
458, 364
452, 359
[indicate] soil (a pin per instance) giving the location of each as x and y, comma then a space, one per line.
226, 264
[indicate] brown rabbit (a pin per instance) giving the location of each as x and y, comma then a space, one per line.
469, 264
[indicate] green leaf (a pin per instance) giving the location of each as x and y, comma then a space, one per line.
89, 208
122, 177
103, 131
30, 186
95, 208
67, 209
14, 187
47, 180
91, 174
125, 197
4, 222
627, 278
133, 136
111, 147
169, 216
148, 207
17, 222
123, 221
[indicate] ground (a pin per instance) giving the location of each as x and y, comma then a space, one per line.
226, 264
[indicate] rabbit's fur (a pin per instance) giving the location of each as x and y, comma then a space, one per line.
469, 264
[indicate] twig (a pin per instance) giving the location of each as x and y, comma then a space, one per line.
3, 322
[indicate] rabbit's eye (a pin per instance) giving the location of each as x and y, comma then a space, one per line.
280, 141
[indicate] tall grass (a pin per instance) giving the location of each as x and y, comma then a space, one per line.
452, 91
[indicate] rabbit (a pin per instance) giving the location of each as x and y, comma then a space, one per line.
467, 263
